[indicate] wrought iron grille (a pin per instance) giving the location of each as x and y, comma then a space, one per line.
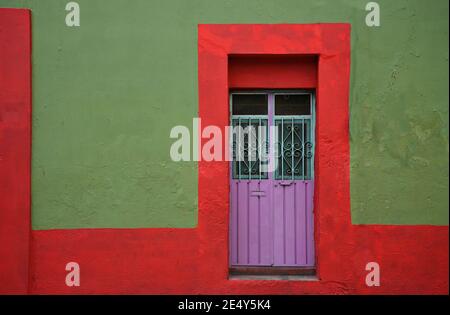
250, 148
294, 151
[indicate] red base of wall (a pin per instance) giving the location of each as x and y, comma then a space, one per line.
413, 260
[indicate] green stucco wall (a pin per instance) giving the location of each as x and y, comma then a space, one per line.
106, 94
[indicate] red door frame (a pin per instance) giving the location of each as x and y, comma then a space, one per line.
331, 43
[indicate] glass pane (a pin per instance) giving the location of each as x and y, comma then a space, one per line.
295, 149
249, 104
292, 104
250, 148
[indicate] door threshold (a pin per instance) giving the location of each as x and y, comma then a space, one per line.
272, 273
274, 277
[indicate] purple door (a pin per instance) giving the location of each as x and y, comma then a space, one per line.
271, 180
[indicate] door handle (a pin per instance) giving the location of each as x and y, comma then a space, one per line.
258, 194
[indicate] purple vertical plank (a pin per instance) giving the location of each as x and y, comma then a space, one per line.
310, 223
278, 225
289, 225
300, 195
266, 217
233, 224
243, 222
254, 226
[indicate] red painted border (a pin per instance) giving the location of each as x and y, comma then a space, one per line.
413, 259
15, 149
272, 72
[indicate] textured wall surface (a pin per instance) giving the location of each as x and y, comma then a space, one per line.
196, 260
106, 94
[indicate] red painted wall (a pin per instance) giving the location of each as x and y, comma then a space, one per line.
15, 148
413, 259
272, 71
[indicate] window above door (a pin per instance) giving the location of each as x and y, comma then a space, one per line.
291, 146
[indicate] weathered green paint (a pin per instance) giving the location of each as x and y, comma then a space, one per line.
399, 116
106, 94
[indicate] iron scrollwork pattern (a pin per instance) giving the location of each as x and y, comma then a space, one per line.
294, 149
249, 146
